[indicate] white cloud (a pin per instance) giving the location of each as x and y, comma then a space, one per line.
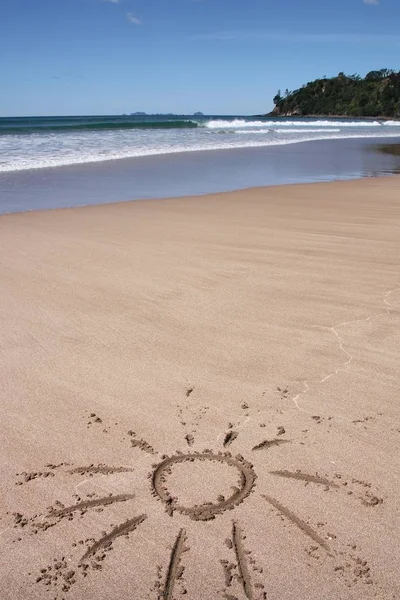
371, 1
113, 1
133, 18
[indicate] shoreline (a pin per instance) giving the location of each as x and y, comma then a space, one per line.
195, 173
208, 196
154, 352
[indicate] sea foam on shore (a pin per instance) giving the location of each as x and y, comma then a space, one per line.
35, 143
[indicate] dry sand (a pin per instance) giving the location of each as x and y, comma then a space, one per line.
259, 329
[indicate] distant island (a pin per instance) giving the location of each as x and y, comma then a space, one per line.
143, 114
377, 95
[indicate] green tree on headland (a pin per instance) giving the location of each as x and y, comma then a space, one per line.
377, 95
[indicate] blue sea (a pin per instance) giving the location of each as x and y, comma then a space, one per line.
39, 142
54, 162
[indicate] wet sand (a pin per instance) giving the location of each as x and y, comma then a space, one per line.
199, 397
195, 173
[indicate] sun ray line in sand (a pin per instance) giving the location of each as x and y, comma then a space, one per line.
302, 525
174, 571
123, 529
350, 357
305, 477
91, 504
243, 568
222, 436
230, 437
99, 470
269, 443
141, 444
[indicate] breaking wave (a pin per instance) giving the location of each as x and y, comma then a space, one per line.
241, 123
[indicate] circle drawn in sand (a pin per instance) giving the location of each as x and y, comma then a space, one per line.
206, 511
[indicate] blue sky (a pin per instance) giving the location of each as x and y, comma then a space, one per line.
63, 57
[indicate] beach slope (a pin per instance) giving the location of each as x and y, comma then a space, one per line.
199, 397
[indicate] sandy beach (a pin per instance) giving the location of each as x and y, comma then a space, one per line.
200, 397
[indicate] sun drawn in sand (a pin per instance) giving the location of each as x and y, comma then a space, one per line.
242, 571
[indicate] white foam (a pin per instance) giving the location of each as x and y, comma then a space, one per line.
286, 131
240, 123
391, 123
299, 131
36, 151
252, 131
222, 124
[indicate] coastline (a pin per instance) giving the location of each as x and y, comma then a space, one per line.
195, 173
262, 322
207, 197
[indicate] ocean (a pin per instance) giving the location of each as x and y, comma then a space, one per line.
59, 162
40, 142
